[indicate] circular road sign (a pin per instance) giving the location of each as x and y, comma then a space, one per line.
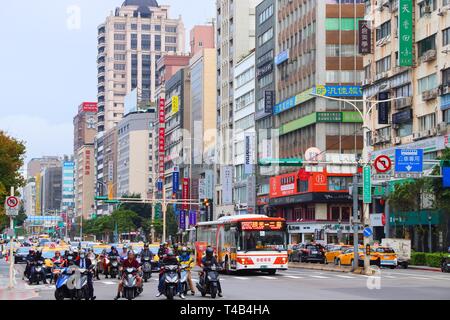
367, 232
383, 164
12, 202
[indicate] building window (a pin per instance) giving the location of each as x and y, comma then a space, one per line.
266, 36
446, 77
404, 91
345, 50
384, 30
446, 116
265, 81
339, 183
171, 39
119, 47
119, 26
427, 83
146, 27
426, 7
405, 129
245, 100
427, 122
171, 29
344, 24
120, 57
245, 77
133, 26
168, 49
119, 66
446, 36
384, 64
134, 41
266, 14
426, 44
119, 36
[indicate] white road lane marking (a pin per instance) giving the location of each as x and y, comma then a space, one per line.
293, 277
269, 278
241, 278
320, 277
108, 282
346, 277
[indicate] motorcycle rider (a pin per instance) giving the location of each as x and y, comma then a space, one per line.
146, 252
169, 260
124, 253
38, 257
130, 262
84, 262
30, 259
175, 249
186, 259
208, 261
162, 251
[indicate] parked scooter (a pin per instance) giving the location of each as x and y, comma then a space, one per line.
129, 284
171, 280
209, 282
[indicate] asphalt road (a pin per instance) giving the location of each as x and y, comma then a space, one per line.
293, 284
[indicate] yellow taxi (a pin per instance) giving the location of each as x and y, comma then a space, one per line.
334, 251
49, 253
387, 256
346, 258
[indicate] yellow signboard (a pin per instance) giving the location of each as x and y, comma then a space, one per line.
175, 105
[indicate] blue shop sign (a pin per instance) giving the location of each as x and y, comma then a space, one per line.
282, 57
283, 106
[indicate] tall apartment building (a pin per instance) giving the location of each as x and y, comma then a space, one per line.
203, 119
135, 167
51, 186
129, 43
68, 186
316, 53
244, 135
37, 165
420, 119
266, 143
235, 38
29, 197
85, 130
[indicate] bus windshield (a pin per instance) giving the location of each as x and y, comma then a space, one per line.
263, 240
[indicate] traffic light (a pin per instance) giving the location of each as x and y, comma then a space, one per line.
206, 203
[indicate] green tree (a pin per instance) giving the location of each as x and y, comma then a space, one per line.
12, 152
126, 220
171, 221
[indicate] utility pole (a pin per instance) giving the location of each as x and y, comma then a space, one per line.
355, 220
164, 212
11, 249
387, 212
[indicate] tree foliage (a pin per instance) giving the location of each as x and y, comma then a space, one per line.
12, 152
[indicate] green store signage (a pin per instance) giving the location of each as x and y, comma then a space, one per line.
405, 35
321, 117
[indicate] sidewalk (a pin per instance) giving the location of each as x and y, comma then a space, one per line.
424, 268
20, 291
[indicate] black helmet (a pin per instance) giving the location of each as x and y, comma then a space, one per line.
145, 245
113, 248
209, 252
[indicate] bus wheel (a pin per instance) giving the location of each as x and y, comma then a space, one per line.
272, 272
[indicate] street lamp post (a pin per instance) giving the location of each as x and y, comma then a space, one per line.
430, 238
365, 153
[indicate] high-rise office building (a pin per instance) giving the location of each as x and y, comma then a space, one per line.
130, 42
235, 38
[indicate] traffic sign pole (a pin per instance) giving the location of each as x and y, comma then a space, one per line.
11, 248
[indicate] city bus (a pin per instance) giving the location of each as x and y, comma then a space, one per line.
245, 242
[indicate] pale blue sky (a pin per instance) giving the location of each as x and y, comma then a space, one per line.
48, 69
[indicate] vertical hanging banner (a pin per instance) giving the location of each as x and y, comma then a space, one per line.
162, 139
367, 184
365, 37
405, 33
249, 154
175, 181
383, 108
251, 194
227, 185
175, 105
182, 220
185, 193
192, 218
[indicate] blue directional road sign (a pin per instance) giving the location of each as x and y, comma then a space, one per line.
446, 174
409, 160
367, 232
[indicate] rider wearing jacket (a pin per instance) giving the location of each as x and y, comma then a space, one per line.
146, 252
207, 262
130, 262
38, 257
169, 260
186, 260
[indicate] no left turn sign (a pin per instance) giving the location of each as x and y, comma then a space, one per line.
383, 164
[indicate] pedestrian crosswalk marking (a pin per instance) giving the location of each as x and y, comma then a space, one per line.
269, 278
390, 277
241, 278
293, 277
346, 277
108, 282
420, 278
320, 277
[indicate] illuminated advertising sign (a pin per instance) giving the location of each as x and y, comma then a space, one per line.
365, 37
162, 112
175, 105
261, 225
88, 107
185, 193
338, 91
